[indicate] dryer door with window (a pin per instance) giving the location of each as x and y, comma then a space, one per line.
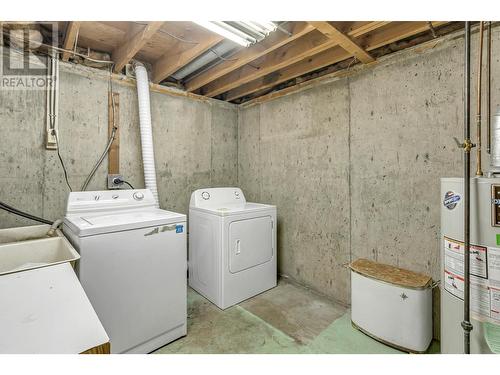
250, 243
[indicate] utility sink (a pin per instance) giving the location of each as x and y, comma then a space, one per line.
32, 232
27, 248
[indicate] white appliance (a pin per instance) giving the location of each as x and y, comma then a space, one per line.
484, 264
132, 266
232, 246
399, 315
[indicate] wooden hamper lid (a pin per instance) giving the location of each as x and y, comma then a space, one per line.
391, 274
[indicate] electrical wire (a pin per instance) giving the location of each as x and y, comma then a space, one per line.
110, 140
190, 42
61, 159
26, 215
59, 49
52, 117
128, 183
99, 162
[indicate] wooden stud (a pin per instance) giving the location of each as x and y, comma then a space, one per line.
132, 44
170, 62
343, 40
70, 38
114, 150
272, 42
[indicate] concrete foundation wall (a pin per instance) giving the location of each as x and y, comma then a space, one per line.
195, 144
354, 163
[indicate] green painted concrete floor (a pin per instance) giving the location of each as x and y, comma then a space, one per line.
288, 319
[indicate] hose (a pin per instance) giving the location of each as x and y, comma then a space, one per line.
99, 162
26, 215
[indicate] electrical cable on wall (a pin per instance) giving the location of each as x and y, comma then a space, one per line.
111, 138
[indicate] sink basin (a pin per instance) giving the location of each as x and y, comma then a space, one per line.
32, 232
31, 254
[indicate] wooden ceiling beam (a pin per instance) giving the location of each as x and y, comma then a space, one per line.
247, 55
301, 49
368, 27
318, 61
170, 62
70, 38
343, 40
372, 41
282, 57
397, 31
133, 42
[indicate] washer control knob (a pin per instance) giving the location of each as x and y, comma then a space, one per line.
138, 196
205, 195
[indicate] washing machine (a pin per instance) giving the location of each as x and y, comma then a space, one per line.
232, 246
133, 265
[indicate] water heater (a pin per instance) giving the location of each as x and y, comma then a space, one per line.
484, 264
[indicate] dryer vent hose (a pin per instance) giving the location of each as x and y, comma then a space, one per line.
148, 159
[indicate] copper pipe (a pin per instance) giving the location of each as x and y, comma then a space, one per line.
479, 170
488, 90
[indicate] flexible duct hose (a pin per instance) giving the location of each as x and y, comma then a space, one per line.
148, 159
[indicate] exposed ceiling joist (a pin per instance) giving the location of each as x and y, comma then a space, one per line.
247, 55
369, 26
332, 56
134, 40
70, 38
397, 31
343, 40
318, 61
280, 58
169, 63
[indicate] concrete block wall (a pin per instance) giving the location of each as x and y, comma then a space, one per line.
354, 163
195, 144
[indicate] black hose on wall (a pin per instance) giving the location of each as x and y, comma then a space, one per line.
26, 215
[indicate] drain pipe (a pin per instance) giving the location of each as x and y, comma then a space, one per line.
148, 158
466, 324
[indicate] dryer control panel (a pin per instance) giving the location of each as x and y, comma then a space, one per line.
217, 197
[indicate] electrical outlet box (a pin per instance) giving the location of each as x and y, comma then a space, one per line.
111, 179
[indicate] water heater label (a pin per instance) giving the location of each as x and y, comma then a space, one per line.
484, 277
451, 199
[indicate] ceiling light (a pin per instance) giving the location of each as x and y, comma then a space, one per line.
226, 31
244, 33
267, 25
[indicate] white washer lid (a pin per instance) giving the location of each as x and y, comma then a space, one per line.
88, 224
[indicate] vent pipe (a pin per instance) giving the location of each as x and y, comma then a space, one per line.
148, 157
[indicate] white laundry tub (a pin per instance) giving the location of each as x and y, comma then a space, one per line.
26, 248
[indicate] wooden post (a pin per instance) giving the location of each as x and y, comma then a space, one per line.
114, 150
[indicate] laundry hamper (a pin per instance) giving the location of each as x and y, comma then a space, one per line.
392, 305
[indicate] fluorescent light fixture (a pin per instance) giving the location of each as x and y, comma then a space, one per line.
225, 32
244, 33
266, 25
